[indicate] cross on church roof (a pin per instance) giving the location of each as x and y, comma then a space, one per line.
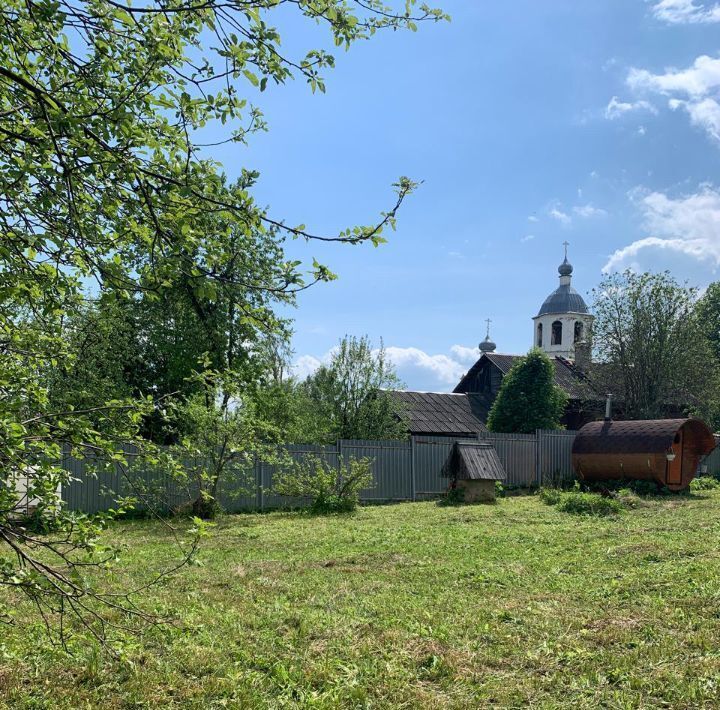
566, 244
488, 321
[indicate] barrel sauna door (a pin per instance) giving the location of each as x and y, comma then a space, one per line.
674, 467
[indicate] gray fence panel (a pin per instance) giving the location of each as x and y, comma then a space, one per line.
391, 467
710, 464
431, 453
239, 487
402, 470
97, 487
518, 455
555, 456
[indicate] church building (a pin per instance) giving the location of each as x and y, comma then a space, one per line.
562, 328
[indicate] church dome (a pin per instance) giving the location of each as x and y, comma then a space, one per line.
487, 345
564, 299
565, 269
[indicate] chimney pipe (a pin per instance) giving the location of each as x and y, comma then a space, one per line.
608, 407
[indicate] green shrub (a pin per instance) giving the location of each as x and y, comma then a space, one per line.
453, 496
629, 498
328, 488
550, 496
705, 483
499, 490
579, 503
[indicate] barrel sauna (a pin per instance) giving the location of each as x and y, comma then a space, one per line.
666, 451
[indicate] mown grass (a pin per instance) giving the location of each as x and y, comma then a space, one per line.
413, 605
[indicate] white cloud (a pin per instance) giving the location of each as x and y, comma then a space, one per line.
527, 238
588, 211
700, 84
455, 255
304, 366
533, 218
443, 368
688, 225
560, 216
441, 371
704, 114
685, 12
696, 81
641, 130
616, 108
464, 353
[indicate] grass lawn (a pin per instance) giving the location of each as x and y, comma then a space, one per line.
412, 605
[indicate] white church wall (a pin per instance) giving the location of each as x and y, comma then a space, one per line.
566, 347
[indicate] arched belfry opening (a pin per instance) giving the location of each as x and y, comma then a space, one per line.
556, 333
539, 338
579, 331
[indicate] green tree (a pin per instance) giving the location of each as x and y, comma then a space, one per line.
348, 397
707, 312
528, 398
652, 353
221, 434
107, 179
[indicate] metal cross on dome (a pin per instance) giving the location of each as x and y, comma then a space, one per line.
566, 244
488, 321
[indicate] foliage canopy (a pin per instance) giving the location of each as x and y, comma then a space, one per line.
108, 184
528, 398
652, 351
348, 397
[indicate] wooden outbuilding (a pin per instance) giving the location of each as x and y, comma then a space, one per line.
474, 466
666, 451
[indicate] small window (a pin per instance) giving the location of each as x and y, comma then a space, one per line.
579, 331
539, 335
556, 338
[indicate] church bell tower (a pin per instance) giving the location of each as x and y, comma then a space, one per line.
563, 322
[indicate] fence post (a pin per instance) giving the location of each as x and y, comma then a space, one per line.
412, 468
538, 456
259, 493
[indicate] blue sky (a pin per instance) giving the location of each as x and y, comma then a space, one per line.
530, 123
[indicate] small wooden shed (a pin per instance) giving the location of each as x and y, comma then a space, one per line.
666, 451
474, 466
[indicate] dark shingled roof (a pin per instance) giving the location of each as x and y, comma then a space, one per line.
475, 461
567, 376
443, 414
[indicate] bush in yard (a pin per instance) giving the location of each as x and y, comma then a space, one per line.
628, 498
579, 503
453, 496
549, 496
705, 483
330, 489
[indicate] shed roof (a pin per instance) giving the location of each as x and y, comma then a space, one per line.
640, 436
475, 461
443, 413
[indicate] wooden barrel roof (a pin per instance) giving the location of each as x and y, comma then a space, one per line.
641, 436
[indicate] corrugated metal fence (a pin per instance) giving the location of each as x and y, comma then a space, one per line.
402, 470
